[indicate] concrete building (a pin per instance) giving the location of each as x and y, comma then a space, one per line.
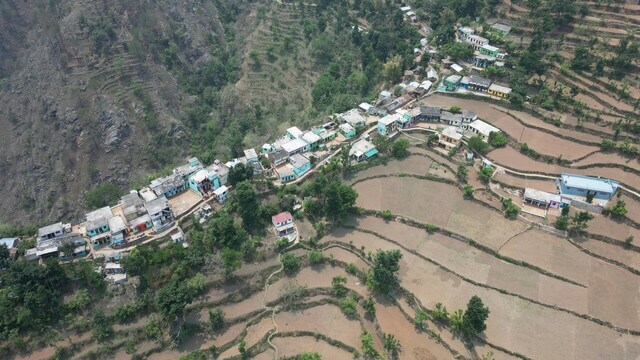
501, 28
499, 91
169, 186
388, 124
478, 83
294, 133
51, 231
300, 164
160, 214
583, 186
452, 82
221, 194
449, 138
251, 155
297, 146
347, 130
362, 150
481, 128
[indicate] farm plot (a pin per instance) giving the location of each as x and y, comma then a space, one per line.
608, 158
560, 257
292, 346
608, 227
522, 183
513, 159
633, 205
516, 324
614, 252
413, 164
438, 204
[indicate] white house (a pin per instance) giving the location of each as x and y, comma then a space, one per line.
481, 128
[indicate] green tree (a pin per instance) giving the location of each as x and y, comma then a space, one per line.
562, 222
339, 290
231, 261
457, 51
290, 263
462, 173
392, 69
368, 346
216, 320
497, 139
607, 145
485, 174
391, 345
475, 316
248, 205
579, 221
511, 210
582, 59
349, 307
308, 356
315, 257
369, 306
239, 173
478, 145
468, 191
400, 147
440, 313
383, 275
456, 320
102, 195
619, 210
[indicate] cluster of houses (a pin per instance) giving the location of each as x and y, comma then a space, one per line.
572, 189
474, 83
485, 54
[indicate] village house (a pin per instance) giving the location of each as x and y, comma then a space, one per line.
388, 124
362, 150
479, 83
476, 41
52, 231
204, 181
300, 164
283, 223
140, 224
446, 63
132, 205
114, 273
398, 103
328, 135
279, 157
499, 91
221, 194
294, 133
483, 61
469, 116
286, 174
297, 146
583, 186
160, 214
426, 85
118, 229
489, 50
408, 76
430, 113
480, 128
188, 169
501, 28
449, 138
169, 186
464, 32
542, 199
312, 139
267, 149
457, 68
147, 194
404, 120
347, 130
464, 82
53, 247
452, 82
385, 96
251, 155
97, 226
451, 119
365, 107
432, 75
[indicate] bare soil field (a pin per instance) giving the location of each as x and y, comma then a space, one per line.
628, 257
415, 198
633, 206
513, 159
608, 227
608, 158
543, 142
433, 155
522, 183
413, 164
291, 346
519, 325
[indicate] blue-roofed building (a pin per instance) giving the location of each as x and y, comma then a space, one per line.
580, 185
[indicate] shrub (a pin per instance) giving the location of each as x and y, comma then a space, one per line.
607, 145
511, 210
102, 195
420, 317
369, 306
387, 215
440, 313
216, 319
290, 263
351, 269
125, 313
430, 228
468, 191
339, 290
485, 174
478, 145
282, 243
400, 148
619, 210
628, 241
349, 307
315, 257
497, 139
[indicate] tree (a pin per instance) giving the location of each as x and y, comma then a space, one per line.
582, 59
511, 210
400, 148
478, 145
315, 257
475, 316
247, 204
562, 222
440, 313
339, 290
308, 356
607, 145
579, 221
485, 174
468, 191
392, 69
216, 320
290, 263
619, 210
589, 198
456, 320
231, 261
497, 139
102, 195
462, 173
432, 139
457, 50
340, 200
368, 346
382, 276
387, 215
239, 173
242, 349
68, 249
391, 345
369, 306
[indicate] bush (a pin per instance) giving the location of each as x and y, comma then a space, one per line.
485, 174
511, 210
369, 306
282, 243
468, 191
619, 210
440, 313
562, 222
430, 228
387, 215
607, 145
102, 195
349, 307
125, 313
497, 139
478, 145
315, 257
216, 319
400, 148
290, 263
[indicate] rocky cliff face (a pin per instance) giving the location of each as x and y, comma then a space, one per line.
87, 96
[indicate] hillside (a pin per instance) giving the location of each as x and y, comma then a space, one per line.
87, 96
